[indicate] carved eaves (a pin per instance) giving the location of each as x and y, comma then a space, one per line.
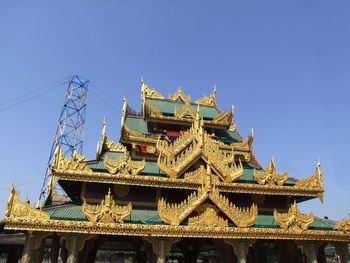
107, 211
124, 165
185, 112
17, 209
270, 176
293, 220
133, 137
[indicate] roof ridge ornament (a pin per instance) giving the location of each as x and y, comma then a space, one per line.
208, 100
179, 94
270, 176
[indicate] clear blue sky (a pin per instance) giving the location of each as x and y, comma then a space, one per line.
285, 65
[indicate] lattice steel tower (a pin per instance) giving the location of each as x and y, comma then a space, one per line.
70, 127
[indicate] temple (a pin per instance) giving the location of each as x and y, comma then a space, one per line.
182, 185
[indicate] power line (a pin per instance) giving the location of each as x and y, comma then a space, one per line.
31, 95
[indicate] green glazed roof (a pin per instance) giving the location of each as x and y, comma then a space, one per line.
137, 124
228, 136
168, 108
149, 216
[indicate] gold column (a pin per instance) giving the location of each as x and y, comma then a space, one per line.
342, 250
161, 247
240, 248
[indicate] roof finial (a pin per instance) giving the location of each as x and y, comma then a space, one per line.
214, 91
318, 161
103, 133
142, 80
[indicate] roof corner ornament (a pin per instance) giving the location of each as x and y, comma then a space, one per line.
208, 100
293, 220
270, 176
17, 209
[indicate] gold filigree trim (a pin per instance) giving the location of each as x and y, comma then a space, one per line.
315, 181
107, 211
149, 92
76, 163
293, 220
18, 209
343, 225
179, 94
270, 175
185, 112
68, 226
208, 100
174, 214
195, 143
208, 218
106, 144
124, 165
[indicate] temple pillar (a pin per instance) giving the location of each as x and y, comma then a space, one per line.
161, 247
74, 244
55, 245
32, 245
342, 250
240, 248
311, 250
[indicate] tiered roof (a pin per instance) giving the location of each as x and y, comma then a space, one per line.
181, 165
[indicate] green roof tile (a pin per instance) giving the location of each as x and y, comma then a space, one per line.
148, 216
66, 212
168, 108
137, 124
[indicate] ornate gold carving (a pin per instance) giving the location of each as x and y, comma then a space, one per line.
199, 175
75, 163
149, 92
343, 225
174, 214
185, 112
293, 220
208, 100
130, 136
270, 175
107, 211
106, 144
208, 218
176, 157
232, 123
178, 183
30, 224
18, 209
315, 181
152, 111
240, 216
124, 165
179, 94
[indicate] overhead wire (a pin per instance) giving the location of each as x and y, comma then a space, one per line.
31, 95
